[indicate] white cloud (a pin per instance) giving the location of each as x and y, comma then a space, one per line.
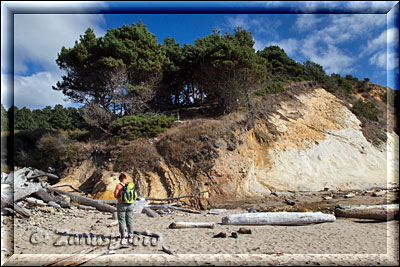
307, 22
39, 37
239, 20
35, 92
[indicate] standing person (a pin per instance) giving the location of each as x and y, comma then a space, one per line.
124, 206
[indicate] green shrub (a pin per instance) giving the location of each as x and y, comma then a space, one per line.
389, 97
133, 127
272, 88
365, 109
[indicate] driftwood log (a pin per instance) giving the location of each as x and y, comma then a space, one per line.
23, 192
35, 202
181, 225
46, 197
150, 213
173, 198
173, 207
18, 209
85, 201
375, 212
278, 218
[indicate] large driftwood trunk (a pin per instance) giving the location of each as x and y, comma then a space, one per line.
180, 225
278, 218
85, 201
23, 192
375, 212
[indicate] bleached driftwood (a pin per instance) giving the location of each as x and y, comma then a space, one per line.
5, 201
44, 195
150, 212
180, 225
278, 218
67, 184
85, 201
47, 197
83, 207
173, 207
35, 202
172, 198
375, 212
54, 205
22, 192
38, 173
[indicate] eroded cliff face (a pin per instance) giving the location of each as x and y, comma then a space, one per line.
310, 141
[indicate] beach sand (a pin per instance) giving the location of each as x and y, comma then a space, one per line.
346, 241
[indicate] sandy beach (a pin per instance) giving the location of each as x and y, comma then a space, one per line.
42, 236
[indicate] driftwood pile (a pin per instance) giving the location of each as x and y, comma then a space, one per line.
31, 186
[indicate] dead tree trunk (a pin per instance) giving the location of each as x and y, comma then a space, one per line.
85, 201
375, 212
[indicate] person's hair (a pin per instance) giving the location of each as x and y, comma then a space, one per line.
122, 176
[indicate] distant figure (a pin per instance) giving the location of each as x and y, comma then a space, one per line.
126, 195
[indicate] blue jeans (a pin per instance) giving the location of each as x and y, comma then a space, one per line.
125, 218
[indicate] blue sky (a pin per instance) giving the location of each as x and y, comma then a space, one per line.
328, 33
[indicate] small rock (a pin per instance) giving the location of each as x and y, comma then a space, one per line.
216, 144
244, 231
251, 210
289, 202
234, 235
204, 137
350, 195
231, 147
378, 193
161, 212
220, 235
327, 198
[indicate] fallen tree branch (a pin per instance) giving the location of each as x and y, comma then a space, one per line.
173, 207
85, 201
180, 225
173, 198
20, 210
67, 184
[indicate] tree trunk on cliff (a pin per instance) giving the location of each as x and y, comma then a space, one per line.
278, 218
180, 225
85, 201
375, 212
